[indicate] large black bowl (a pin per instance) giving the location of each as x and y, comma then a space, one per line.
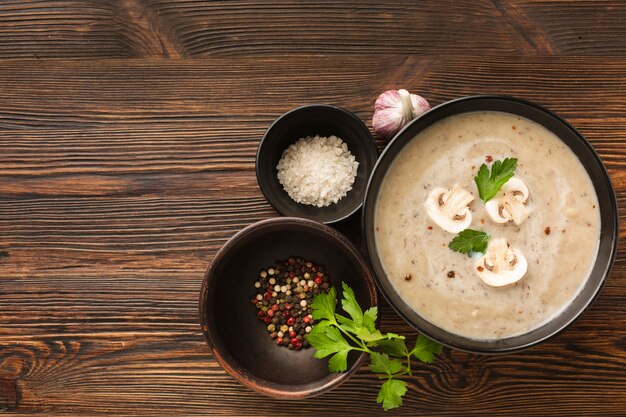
311, 120
590, 160
239, 341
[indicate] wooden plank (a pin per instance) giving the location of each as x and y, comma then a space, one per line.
237, 28
181, 28
79, 29
248, 93
581, 27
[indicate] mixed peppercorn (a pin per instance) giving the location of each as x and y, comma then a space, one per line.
283, 298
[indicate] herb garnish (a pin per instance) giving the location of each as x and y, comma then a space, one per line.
490, 183
328, 337
470, 240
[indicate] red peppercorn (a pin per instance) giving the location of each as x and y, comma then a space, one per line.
292, 274
275, 307
279, 340
314, 269
268, 296
267, 320
297, 346
291, 321
288, 306
295, 341
254, 300
306, 319
270, 313
318, 281
292, 334
260, 314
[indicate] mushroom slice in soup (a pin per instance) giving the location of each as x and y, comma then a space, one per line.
501, 265
510, 203
449, 208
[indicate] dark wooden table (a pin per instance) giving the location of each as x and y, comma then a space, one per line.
128, 131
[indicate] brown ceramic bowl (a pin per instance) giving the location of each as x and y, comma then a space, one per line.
239, 341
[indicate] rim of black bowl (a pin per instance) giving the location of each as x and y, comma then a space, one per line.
371, 145
514, 343
224, 361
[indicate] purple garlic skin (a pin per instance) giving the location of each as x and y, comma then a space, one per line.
394, 109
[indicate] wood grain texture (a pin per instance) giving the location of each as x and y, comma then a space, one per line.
198, 28
124, 166
120, 179
73, 29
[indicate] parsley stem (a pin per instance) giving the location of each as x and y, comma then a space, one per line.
360, 343
408, 364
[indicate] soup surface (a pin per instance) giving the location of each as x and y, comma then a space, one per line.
559, 239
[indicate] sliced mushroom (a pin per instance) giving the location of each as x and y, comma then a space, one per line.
448, 208
501, 265
510, 203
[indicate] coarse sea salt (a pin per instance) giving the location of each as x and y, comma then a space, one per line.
317, 170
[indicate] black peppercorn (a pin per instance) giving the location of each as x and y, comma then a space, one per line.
289, 311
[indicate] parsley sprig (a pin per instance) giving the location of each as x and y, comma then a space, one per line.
470, 240
489, 184
337, 335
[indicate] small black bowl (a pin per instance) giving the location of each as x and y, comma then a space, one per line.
589, 159
239, 340
323, 120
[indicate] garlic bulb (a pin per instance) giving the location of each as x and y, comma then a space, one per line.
394, 109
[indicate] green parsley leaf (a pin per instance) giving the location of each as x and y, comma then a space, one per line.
490, 183
327, 340
394, 347
470, 240
425, 349
350, 305
339, 361
369, 318
381, 364
368, 337
346, 324
323, 305
390, 394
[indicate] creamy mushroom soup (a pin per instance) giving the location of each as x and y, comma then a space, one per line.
543, 226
